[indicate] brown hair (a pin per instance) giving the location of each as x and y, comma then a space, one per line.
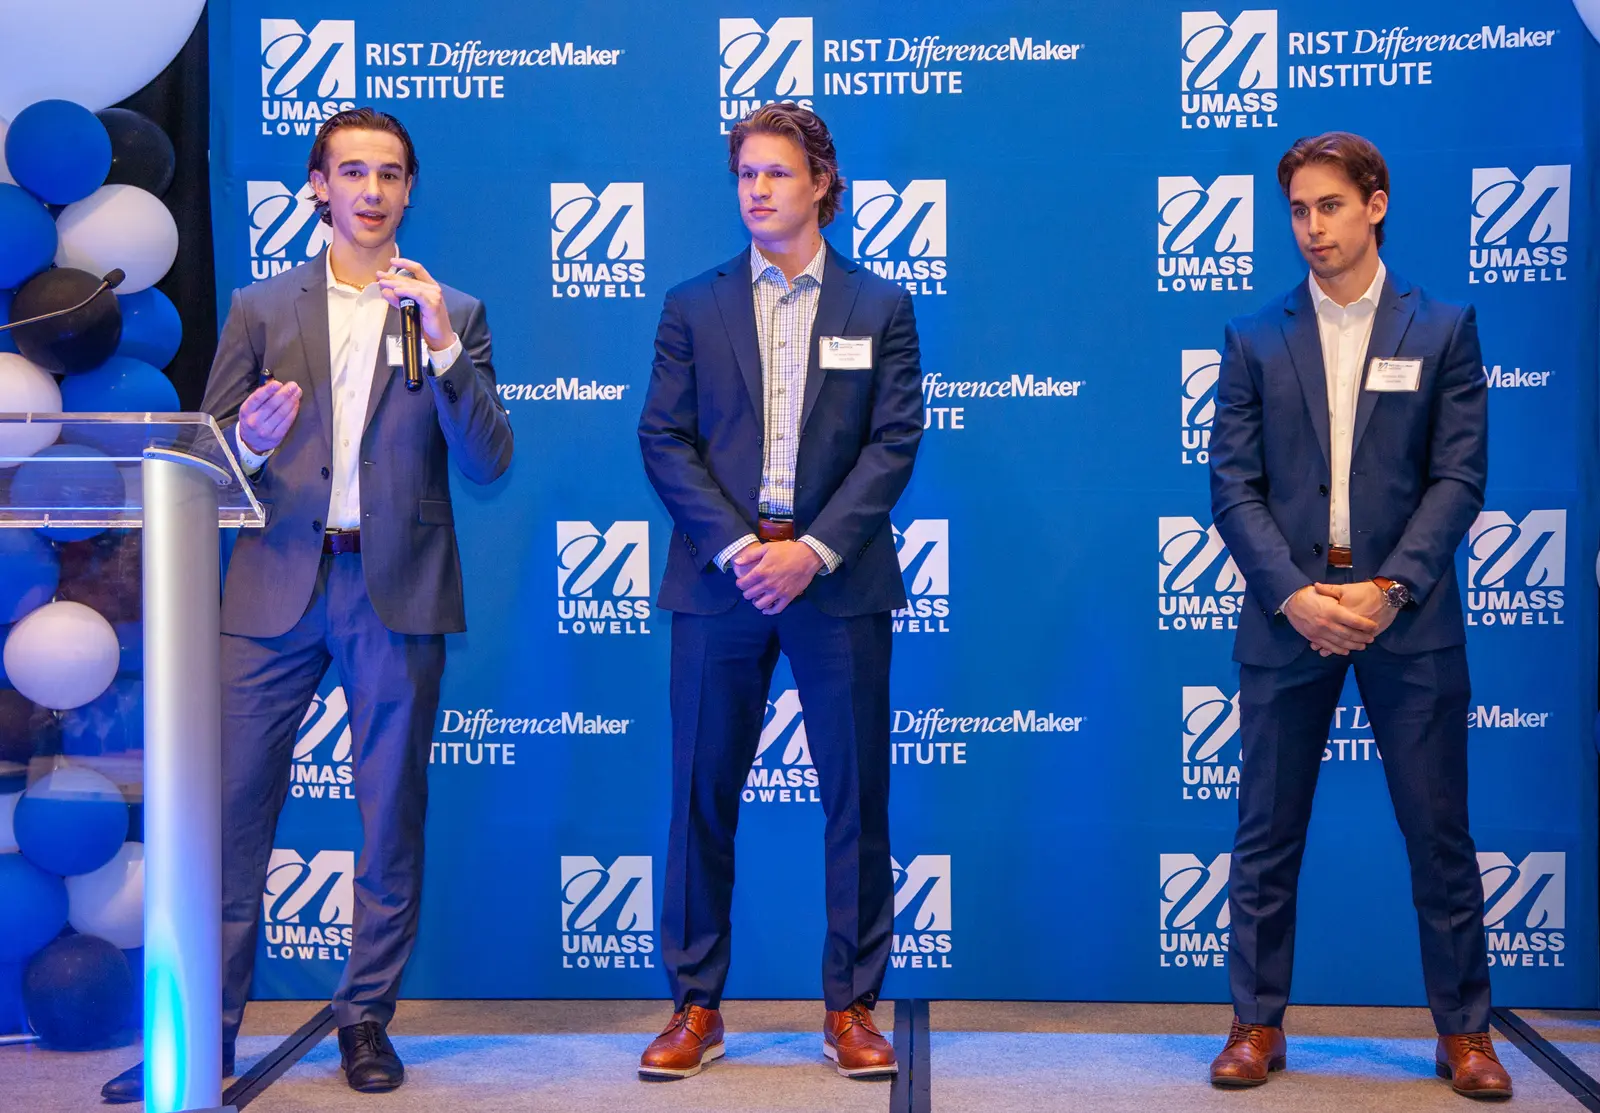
1357, 157
368, 119
806, 128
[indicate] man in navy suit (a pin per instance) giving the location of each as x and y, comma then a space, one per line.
780, 428
1348, 458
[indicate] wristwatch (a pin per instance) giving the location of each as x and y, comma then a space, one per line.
1395, 593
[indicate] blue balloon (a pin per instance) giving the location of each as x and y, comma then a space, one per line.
58, 151
119, 385
13, 1017
71, 821
27, 237
33, 907
30, 571
151, 330
78, 992
43, 480
6, 343
111, 723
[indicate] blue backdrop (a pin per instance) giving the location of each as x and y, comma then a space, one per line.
1080, 196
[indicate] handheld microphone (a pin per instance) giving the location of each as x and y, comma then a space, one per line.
411, 338
110, 282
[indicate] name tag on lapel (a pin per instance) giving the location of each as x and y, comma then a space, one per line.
396, 354
1394, 374
846, 353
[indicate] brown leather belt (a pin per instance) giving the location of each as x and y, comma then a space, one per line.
1339, 557
337, 542
775, 529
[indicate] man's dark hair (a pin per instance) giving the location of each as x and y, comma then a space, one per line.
367, 119
1357, 157
806, 128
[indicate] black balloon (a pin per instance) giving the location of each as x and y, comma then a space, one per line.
76, 341
79, 993
141, 153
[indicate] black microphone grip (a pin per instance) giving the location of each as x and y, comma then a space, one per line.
411, 339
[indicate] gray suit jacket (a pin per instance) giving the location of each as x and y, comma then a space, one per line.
408, 540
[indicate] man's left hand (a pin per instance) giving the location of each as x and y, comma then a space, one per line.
428, 296
1365, 599
773, 575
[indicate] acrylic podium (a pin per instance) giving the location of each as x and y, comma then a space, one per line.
174, 477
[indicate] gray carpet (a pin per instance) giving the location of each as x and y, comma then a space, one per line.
1576, 1034
1039, 1058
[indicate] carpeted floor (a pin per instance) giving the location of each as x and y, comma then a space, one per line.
576, 1057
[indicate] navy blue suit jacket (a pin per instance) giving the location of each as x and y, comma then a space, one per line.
1418, 464
701, 435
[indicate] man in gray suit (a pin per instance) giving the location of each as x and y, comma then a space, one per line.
357, 565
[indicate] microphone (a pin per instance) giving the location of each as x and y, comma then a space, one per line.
411, 338
110, 282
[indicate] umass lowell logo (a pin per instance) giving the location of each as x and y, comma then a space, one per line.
602, 579
1210, 744
1194, 910
308, 906
306, 76
284, 229
922, 914
607, 913
1520, 224
1525, 907
1198, 585
1517, 570
902, 235
597, 240
758, 65
321, 768
782, 772
1204, 234
1229, 69
1198, 379
923, 549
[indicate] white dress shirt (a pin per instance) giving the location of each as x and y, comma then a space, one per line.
356, 316
1345, 332
785, 312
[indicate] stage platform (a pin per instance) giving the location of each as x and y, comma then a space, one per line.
579, 1056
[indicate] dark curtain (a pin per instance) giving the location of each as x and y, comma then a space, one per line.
179, 100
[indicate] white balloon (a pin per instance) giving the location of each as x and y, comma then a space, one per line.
26, 388
118, 226
1589, 10
62, 655
8, 809
5, 175
109, 902
95, 52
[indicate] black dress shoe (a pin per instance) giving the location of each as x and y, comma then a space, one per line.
128, 1086
369, 1059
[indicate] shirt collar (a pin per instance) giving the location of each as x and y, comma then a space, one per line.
760, 265
1321, 301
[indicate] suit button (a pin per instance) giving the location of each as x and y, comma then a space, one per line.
316, 526
324, 473
1316, 550
1322, 488
752, 492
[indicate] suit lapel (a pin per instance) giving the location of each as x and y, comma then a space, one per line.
841, 281
1305, 350
736, 302
311, 310
1396, 305
382, 370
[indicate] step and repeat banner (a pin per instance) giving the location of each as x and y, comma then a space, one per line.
1079, 196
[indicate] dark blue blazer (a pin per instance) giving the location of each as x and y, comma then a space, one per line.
1417, 467
701, 435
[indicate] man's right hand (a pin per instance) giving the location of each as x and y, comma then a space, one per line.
266, 415
1327, 624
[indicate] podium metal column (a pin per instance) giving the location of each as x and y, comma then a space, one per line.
183, 785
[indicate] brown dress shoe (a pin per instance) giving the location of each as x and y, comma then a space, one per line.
1252, 1052
1472, 1067
854, 1043
685, 1046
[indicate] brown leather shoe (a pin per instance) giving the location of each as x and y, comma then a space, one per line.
685, 1046
1253, 1051
1472, 1067
854, 1043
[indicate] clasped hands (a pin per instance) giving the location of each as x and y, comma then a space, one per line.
1339, 618
773, 574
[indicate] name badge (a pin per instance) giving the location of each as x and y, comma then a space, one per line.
846, 353
396, 354
1394, 374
